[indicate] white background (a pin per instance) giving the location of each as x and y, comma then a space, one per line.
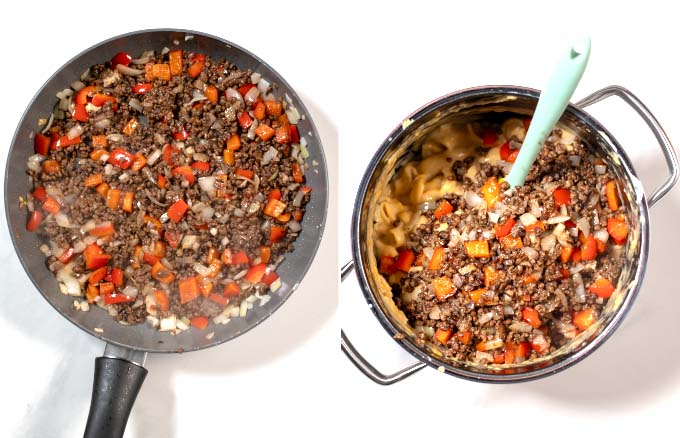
360, 69
406, 56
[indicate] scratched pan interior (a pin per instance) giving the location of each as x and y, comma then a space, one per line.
142, 336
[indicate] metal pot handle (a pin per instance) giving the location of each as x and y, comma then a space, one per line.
362, 364
648, 117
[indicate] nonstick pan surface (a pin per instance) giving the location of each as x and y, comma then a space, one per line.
141, 336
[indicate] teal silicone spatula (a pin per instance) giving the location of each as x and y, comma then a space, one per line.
551, 104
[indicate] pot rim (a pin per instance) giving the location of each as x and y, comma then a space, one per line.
394, 138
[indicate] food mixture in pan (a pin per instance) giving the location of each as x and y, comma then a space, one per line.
492, 278
168, 188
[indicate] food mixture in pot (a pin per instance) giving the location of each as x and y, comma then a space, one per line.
168, 188
491, 277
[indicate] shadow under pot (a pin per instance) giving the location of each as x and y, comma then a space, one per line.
489, 103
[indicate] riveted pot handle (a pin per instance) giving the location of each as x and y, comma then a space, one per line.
361, 363
648, 117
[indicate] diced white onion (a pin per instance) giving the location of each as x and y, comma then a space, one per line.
136, 105
231, 93
34, 162
493, 217
188, 241
116, 138
169, 323
153, 157
130, 291
128, 71
243, 309
583, 224
473, 200
602, 235
62, 220
263, 85
271, 154
548, 242
530, 252
520, 327
486, 317
600, 169
557, 219
527, 219
579, 288
75, 131
292, 114
297, 201
255, 77
575, 160
207, 184
252, 95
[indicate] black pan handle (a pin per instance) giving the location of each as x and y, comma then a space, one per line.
117, 381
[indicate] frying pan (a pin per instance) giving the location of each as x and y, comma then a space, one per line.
119, 372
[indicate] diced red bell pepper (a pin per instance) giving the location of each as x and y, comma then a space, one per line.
80, 113
255, 273
219, 299
508, 154
121, 158
94, 257
589, 249
276, 234
41, 144
273, 108
490, 275
283, 134
489, 137
131, 126
387, 265
244, 89
618, 230
175, 61
103, 229
100, 99
232, 289
40, 194
200, 322
116, 298
234, 143
294, 134
264, 131
67, 255
298, 177
491, 191
585, 318
50, 166
443, 209
612, 196
274, 207
142, 88
121, 58
245, 173
275, 194
530, 315
181, 135
244, 120
162, 300
269, 277
185, 172
259, 110
117, 277
566, 253
201, 166
97, 275
437, 260
34, 220
83, 95
113, 199
562, 197
404, 260
505, 229
443, 336
51, 205
177, 210
211, 93
602, 287
477, 248
443, 288
162, 274
196, 66
169, 152
189, 289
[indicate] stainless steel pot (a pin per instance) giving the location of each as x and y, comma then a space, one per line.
476, 102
